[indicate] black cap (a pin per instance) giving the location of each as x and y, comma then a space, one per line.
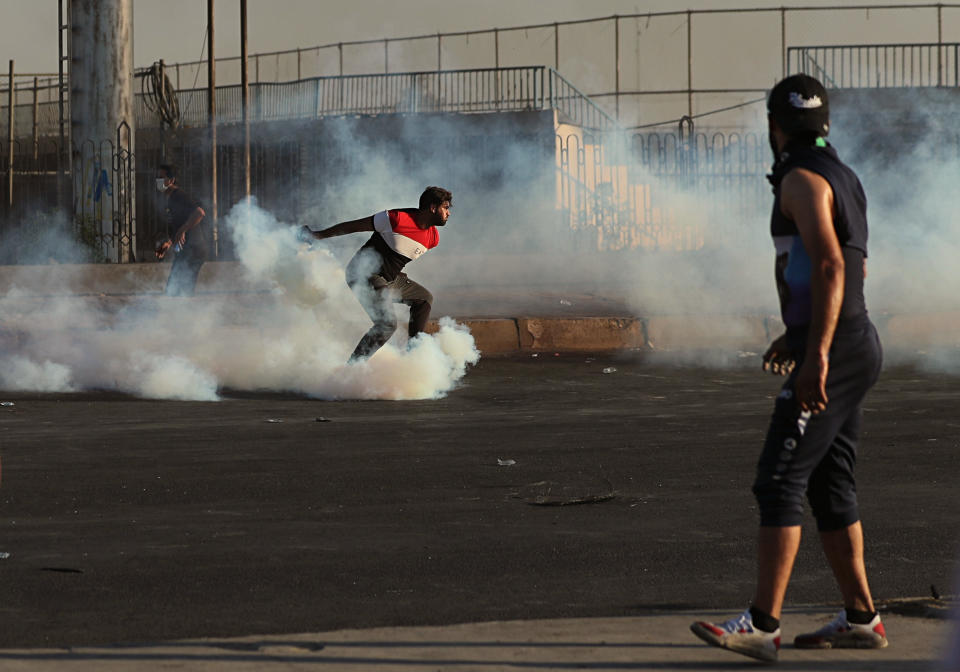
799, 104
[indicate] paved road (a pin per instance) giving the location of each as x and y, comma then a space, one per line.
130, 520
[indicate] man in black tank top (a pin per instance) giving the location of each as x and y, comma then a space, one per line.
832, 356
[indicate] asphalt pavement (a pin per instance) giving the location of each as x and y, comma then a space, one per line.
544, 515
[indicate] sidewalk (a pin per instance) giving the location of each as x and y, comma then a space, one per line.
656, 642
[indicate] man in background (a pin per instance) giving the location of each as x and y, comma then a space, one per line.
184, 233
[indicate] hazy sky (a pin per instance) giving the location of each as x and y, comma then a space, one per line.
174, 29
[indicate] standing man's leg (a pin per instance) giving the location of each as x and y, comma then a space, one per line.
832, 496
795, 445
833, 499
844, 551
776, 552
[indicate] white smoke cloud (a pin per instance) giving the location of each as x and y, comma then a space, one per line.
22, 374
295, 337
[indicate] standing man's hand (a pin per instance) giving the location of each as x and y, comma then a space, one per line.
180, 237
777, 359
810, 385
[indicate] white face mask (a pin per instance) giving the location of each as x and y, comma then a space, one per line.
161, 184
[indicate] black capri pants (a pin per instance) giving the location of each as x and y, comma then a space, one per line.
815, 455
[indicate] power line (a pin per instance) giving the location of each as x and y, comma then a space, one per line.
697, 116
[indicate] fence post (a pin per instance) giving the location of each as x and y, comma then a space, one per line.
36, 121
783, 40
556, 46
11, 103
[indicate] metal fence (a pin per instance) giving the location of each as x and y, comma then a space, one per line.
879, 65
642, 68
605, 190
92, 201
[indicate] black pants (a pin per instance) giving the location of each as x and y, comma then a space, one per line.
183, 273
377, 297
815, 455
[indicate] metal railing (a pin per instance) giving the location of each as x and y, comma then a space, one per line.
479, 90
450, 91
879, 65
605, 54
623, 193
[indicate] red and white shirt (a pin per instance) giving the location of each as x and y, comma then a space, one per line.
402, 235
398, 240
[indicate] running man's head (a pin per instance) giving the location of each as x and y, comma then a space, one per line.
798, 109
166, 177
437, 202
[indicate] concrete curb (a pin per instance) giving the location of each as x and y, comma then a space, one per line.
928, 333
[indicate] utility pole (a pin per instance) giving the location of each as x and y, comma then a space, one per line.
212, 117
245, 84
101, 105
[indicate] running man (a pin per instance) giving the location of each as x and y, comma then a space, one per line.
832, 356
375, 273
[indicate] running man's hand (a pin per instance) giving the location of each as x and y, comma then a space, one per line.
180, 237
810, 385
305, 235
162, 248
777, 359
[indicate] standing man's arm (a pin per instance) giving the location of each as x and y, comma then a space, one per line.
343, 228
806, 198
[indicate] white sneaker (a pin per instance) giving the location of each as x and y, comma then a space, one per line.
842, 634
739, 634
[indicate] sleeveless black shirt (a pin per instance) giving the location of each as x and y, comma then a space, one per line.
793, 266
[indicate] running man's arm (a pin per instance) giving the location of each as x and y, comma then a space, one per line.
807, 199
341, 229
192, 222
180, 236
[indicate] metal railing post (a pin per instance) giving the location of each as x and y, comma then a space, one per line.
939, 44
616, 58
36, 121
